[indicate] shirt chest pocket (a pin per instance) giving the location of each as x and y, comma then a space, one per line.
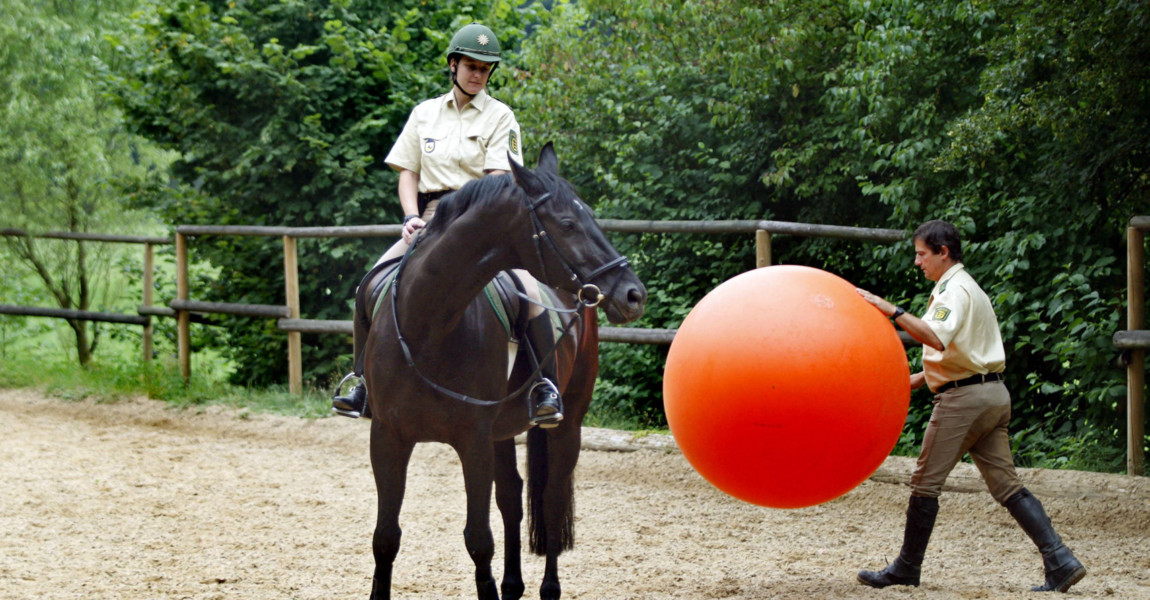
473, 152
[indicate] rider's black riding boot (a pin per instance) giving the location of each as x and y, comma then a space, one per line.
1062, 569
905, 569
547, 406
352, 405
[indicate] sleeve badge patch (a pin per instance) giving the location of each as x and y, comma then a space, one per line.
428, 145
941, 314
513, 142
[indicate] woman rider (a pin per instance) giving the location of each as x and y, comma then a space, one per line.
462, 135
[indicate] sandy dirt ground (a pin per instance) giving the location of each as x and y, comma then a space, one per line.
136, 500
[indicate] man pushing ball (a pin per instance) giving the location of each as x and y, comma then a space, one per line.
963, 363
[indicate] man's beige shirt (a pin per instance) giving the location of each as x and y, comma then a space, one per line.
961, 315
448, 147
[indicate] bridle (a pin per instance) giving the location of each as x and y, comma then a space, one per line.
589, 296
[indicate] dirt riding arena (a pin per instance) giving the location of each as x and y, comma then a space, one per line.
135, 500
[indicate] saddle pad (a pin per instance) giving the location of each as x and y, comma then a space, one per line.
503, 307
552, 301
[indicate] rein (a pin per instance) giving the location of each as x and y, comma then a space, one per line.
589, 296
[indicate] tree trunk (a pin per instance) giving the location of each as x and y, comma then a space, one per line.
83, 346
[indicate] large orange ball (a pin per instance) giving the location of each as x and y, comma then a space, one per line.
784, 388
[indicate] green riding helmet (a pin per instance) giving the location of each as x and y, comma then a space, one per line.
476, 41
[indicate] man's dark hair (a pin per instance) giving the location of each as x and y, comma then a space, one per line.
936, 234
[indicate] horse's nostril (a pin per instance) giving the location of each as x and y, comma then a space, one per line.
635, 296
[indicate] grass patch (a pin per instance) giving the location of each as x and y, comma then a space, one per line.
611, 417
110, 378
107, 380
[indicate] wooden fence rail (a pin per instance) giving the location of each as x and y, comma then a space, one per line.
144, 318
67, 313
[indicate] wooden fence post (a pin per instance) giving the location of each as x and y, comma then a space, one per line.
291, 293
762, 248
149, 283
1136, 368
183, 317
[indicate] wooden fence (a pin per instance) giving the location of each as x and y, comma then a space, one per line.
1133, 341
289, 319
146, 311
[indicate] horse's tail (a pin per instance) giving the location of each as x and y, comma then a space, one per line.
537, 475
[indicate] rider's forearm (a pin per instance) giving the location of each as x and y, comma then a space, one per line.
409, 192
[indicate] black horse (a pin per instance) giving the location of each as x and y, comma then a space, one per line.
437, 363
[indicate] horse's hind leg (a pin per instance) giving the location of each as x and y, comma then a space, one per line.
509, 499
389, 458
552, 455
478, 460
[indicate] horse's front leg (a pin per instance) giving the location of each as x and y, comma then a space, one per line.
477, 458
389, 458
509, 499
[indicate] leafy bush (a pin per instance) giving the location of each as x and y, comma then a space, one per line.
1022, 121
282, 112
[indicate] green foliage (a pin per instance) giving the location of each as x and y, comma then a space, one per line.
740, 110
64, 156
1022, 121
1053, 165
881, 114
282, 112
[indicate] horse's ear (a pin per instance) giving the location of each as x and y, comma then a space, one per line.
547, 160
527, 180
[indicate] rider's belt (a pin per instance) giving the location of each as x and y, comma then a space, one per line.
972, 380
425, 198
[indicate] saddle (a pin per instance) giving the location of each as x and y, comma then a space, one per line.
500, 293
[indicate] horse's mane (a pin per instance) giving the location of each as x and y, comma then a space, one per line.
476, 192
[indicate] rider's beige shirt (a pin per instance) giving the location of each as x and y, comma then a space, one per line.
961, 315
448, 147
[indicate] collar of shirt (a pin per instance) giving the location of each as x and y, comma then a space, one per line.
949, 274
478, 102
940, 286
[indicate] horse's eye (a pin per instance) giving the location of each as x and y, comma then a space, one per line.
567, 224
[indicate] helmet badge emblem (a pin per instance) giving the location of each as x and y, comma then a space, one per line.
483, 39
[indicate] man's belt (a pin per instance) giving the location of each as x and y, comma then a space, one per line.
972, 380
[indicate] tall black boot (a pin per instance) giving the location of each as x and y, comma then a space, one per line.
354, 404
905, 570
1062, 569
546, 407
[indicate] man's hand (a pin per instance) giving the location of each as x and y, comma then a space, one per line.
886, 308
916, 327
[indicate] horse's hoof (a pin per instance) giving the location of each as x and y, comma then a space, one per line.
512, 590
487, 590
550, 591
